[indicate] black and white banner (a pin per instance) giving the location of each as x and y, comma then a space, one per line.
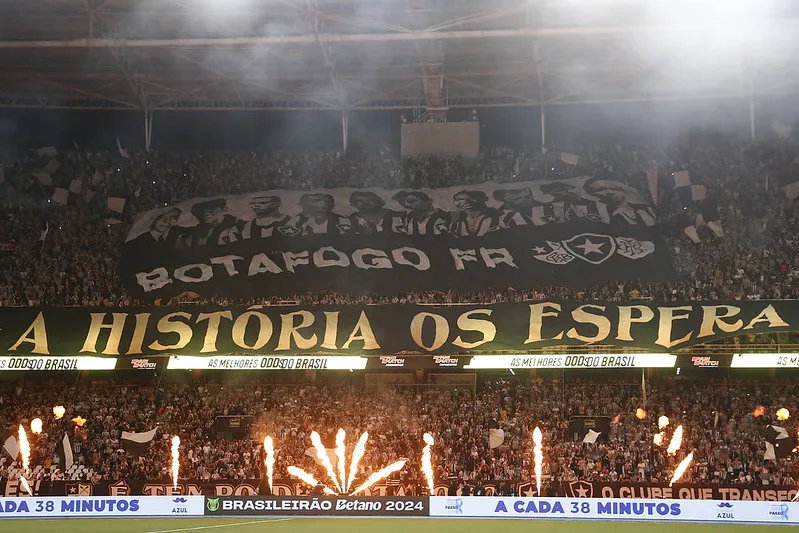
443, 487
579, 231
333, 336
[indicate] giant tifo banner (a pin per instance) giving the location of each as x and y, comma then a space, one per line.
385, 329
292, 487
579, 231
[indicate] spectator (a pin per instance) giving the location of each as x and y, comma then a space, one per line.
717, 417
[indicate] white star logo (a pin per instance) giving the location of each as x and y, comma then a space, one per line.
582, 492
540, 250
590, 247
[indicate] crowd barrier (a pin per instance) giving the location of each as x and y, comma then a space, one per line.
715, 511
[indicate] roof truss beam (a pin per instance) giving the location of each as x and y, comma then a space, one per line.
789, 26
431, 62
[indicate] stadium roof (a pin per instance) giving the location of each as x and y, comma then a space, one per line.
388, 54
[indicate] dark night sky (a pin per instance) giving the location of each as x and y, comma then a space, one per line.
21, 129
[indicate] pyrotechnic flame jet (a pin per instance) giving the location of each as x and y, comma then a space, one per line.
269, 448
307, 478
379, 475
25, 452
175, 461
676, 441
538, 458
427, 461
357, 455
681, 468
321, 454
341, 457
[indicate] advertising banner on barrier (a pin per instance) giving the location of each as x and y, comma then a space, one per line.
765, 360
640, 360
51, 363
262, 362
634, 509
321, 506
96, 506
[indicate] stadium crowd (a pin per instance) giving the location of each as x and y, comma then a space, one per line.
54, 254
720, 426
756, 257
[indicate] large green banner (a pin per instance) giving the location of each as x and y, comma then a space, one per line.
383, 329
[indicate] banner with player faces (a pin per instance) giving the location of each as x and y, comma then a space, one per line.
578, 231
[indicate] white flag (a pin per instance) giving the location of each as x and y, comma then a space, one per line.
495, 438
61, 196
698, 192
52, 166
569, 159
11, 447
44, 178
591, 436
682, 179
141, 438
116, 204
43, 233
47, 151
137, 443
783, 131
652, 178
643, 386
69, 460
692, 233
770, 454
782, 433
124, 153
715, 227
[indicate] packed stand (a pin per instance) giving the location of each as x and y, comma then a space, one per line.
719, 422
67, 254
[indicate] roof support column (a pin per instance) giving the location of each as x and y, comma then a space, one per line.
430, 56
345, 129
328, 51
148, 128
543, 107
